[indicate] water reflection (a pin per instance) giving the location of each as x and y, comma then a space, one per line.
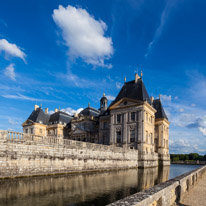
85, 189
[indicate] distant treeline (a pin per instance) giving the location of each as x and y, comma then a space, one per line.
187, 157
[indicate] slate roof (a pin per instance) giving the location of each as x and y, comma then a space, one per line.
160, 111
60, 116
90, 111
133, 90
39, 116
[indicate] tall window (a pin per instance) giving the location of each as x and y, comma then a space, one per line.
32, 130
118, 118
132, 116
105, 125
118, 136
151, 138
146, 136
132, 135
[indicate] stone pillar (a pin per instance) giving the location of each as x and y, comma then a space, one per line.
111, 135
141, 130
124, 128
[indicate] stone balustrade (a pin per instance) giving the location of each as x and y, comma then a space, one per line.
168, 193
17, 136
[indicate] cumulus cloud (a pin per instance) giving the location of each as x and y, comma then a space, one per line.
69, 111
182, 146
111, 98
84, 35
166, 97
199, 123
118, 85
11, 49
9, 72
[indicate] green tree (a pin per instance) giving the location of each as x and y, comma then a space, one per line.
193, 156
186, 157
175, 159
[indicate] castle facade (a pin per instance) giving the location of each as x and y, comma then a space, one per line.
133, 120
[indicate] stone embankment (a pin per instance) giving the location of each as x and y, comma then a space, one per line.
30, 155
168, 193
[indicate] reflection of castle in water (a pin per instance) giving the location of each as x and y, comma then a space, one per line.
80, 188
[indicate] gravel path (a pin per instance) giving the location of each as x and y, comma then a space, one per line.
196, 195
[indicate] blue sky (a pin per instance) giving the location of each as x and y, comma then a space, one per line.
68, 53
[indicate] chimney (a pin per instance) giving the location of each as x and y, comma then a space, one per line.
125, 79
46, 110
136, 77
56, 110
36, 106
152, 99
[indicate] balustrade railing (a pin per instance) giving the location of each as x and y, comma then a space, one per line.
18, 136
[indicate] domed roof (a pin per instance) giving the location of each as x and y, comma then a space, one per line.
103, 98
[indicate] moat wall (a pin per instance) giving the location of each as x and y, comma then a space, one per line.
29, 155
167, 193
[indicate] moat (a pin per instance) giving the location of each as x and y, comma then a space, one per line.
84, 189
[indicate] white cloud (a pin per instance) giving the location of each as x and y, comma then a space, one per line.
84, 35
71, 111
163, 20
9, 72
11, 49
13, 122
166, 97
111, 98
21, 97
181, 110
202, 130
118, 85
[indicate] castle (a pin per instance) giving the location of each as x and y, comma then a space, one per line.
133, 120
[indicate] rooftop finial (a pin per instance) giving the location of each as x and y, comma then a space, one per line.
103, 94
59, 108
141, 74
88, 104
136, 77
159, 96
125, 79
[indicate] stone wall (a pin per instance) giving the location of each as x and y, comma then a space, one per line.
164, 194
28, 155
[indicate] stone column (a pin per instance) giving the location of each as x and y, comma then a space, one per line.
141, 130
111, 135
124, 128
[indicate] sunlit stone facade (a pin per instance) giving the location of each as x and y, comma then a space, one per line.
133, 120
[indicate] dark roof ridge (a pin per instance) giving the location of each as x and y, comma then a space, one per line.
133, 90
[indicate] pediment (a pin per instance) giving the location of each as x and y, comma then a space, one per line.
125, 102
28, 122
78, 131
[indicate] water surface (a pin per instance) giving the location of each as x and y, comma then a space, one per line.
84, 189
